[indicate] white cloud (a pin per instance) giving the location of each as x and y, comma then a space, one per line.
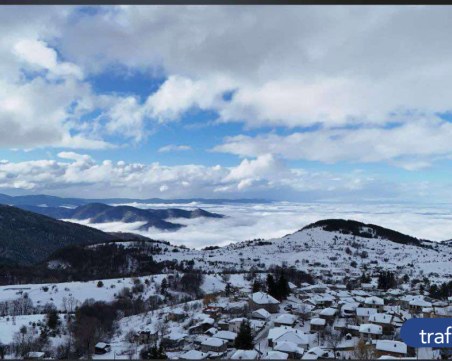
264, 177
334, 65
174, 148
37, 53
251, 221
409, 145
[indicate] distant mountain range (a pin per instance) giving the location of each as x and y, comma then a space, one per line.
103, 213
52, 201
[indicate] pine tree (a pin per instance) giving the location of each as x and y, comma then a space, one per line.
256, 286
227, 289
271, 286
163, 286
244, 339
282, 286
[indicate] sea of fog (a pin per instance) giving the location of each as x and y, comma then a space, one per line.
271, 220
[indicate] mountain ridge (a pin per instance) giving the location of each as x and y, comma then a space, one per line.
104, 213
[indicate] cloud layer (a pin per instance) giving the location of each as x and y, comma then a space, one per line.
244, 222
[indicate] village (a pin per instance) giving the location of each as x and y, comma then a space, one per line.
320, 321
349, 300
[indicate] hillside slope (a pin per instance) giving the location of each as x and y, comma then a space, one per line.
27, 237
322, 248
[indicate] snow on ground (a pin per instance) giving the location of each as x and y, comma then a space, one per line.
9, 325
326, 249
54, 293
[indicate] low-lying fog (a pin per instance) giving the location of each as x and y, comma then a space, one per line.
249, 221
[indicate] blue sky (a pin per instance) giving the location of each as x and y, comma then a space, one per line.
170, 102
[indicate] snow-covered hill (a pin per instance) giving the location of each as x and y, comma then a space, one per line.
315, 249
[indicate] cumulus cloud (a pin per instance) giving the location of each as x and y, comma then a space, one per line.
37, 53
263, 177
315, 68
409, 145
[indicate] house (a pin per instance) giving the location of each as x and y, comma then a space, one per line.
261, 314
174, 341
374, 302
284, 333
202, 326
228, 336
290, 348
263, 300
34, 355
237, 309
391, 348
193, 355
318, 324
368, 330
385, 320
363, 314
214, 344
349, 309
316, 353
275, 355
328, 314
285, 319
418, 304
102, 348
178, 314
245, 355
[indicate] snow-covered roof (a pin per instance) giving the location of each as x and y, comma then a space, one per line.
287, 346
371, 328
101, 345
285, 333
364, 311
329, 311
262, 298
374, 300
262, 312
226, 335
244, 355
35, 354
318, 321
286, 319
314, 353
194, 355
391, 346
214, 341
275, 355
420, 303
381, 318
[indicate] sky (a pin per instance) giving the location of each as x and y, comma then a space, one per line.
290, 103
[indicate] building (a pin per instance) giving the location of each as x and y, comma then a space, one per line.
370, 331
245, 355
263, 300
214, 344
102, 348
390, 348
194, 355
